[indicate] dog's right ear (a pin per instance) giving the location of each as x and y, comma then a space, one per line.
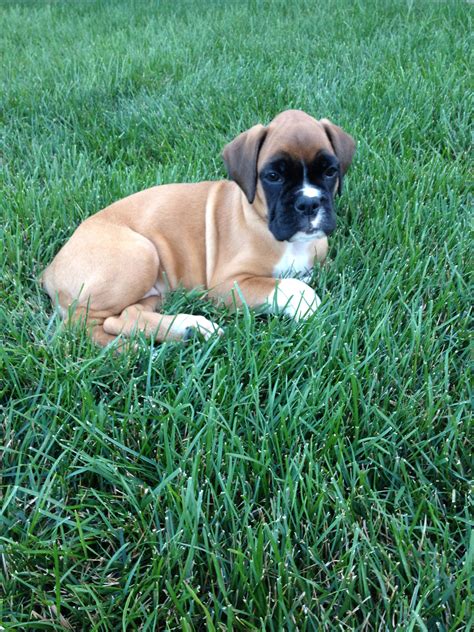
344, 147
240, 157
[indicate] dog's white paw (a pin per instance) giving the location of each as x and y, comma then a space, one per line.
184, 324
294, 298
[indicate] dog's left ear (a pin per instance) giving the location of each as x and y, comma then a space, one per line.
343, 144
240, 157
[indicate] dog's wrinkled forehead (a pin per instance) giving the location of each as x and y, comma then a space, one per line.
296, 134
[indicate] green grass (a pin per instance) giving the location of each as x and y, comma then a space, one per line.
283, 477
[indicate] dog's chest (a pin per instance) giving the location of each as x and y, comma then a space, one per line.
296, 260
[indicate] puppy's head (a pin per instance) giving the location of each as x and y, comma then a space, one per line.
292, 169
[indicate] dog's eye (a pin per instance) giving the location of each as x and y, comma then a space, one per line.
273, 176
330, 172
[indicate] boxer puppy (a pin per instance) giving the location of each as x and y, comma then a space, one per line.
240, 240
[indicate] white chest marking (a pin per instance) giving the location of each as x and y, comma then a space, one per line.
296, 260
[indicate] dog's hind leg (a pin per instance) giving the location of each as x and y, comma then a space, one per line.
93, 323
94, 320
139, 318
92, 279
99, 336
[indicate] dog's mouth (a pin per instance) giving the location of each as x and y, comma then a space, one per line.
312, 228
288, 226
307, 235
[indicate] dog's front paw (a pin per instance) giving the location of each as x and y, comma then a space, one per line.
294, 298
184, 325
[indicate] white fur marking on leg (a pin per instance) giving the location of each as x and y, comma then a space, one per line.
294, 298
206, 327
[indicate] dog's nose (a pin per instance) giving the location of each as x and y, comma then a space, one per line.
307, 205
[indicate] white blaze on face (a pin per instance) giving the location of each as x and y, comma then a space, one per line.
309, 190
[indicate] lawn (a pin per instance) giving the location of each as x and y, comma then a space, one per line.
311, 476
